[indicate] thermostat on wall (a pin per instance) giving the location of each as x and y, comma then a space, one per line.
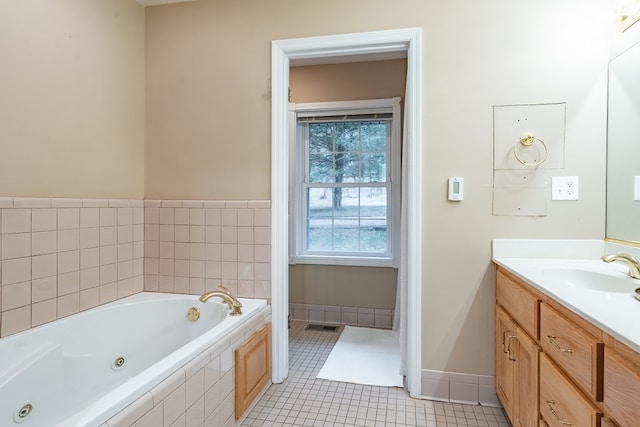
455, 188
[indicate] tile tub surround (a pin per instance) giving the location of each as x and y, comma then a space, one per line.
194, 246
62, 256
201, 393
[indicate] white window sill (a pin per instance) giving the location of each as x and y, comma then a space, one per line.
341, 260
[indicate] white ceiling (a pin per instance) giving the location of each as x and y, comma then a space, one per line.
157, 2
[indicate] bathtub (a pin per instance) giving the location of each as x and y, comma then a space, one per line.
83, 369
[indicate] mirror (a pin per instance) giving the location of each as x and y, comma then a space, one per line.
623, 147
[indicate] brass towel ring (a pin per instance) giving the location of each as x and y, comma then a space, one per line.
527, 140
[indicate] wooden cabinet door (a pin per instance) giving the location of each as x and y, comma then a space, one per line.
622, 387
527, 366
253, 368
504, 367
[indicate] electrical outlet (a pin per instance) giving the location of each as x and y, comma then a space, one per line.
564, 188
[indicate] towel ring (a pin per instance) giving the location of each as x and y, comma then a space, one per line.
527, 140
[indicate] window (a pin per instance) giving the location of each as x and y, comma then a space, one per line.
346, 182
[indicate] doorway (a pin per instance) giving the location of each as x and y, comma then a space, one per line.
372, 43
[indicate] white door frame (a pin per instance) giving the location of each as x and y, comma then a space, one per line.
282, 52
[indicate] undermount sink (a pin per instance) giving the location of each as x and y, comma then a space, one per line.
590, 280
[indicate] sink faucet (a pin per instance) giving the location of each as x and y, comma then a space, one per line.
632, 262
226, 296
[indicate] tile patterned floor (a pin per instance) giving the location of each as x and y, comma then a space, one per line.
304, 400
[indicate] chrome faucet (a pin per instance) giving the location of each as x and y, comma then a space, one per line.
632, 262
226, 296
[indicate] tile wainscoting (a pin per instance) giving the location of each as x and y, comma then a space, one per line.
195, 246
459, 388
353, 316
62, 256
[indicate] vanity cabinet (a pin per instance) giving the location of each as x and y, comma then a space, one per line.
517, 353
554, 363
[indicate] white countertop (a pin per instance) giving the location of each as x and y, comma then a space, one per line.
616, 313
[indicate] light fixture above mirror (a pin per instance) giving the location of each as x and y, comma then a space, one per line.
627, 13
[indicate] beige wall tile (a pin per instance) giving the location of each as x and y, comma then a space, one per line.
16, 221
108, 254
108, 217
68, 283
44, 288
16, 320
108, 235
44, 312
196, 216
125, 233
89, 278
213, 217
181, 233
125, 252
229, 217
68, 261
68, 218
89, 237
44, 242
125, 216
68, 304
16, 270
68, 240
89, 217
44, 266
16, 245
44, 219
181, 216
16, 295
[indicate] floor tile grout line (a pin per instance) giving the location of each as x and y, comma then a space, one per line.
304, 400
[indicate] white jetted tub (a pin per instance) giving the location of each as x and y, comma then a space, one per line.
83, 369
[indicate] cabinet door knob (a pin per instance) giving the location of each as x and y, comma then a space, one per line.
552, 340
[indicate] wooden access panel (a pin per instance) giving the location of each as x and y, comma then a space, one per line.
253, 368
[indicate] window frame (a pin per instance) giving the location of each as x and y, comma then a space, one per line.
298, 169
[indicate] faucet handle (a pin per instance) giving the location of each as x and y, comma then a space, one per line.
225, 290
228, 293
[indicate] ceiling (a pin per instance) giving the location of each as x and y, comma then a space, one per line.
158, 2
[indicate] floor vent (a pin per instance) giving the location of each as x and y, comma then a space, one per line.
325, 328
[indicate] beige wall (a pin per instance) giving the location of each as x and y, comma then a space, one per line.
209, 70
345, 286
72, 98
348, 81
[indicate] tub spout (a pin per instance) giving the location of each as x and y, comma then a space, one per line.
226, 296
